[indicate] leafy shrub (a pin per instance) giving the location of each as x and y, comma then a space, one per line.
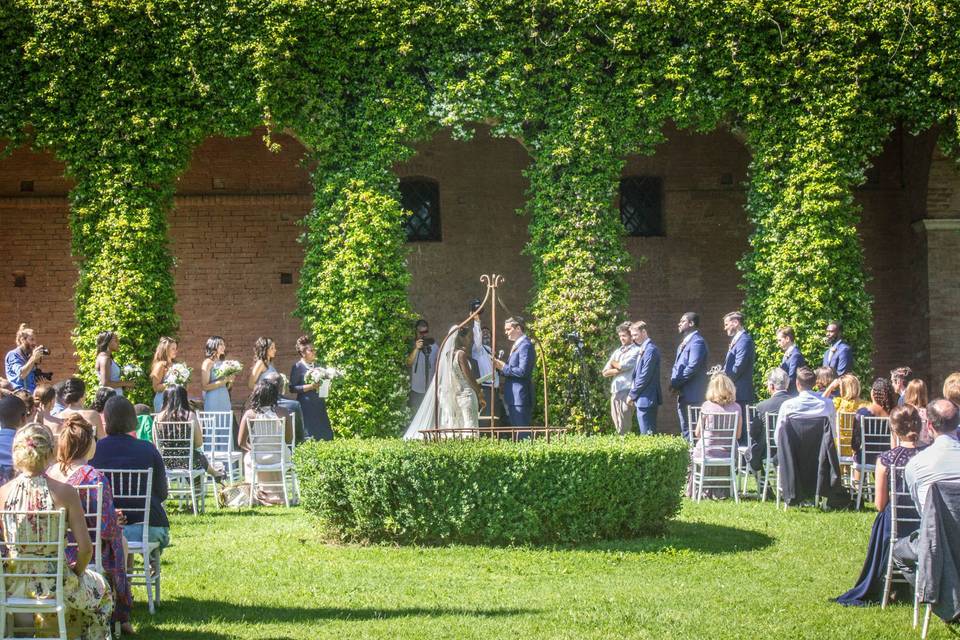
488, 491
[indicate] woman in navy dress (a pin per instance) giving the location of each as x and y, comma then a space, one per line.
905, 423
316, 423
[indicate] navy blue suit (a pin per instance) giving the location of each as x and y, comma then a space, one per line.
689, 376
645, 391
839, 357
738, 366
517, 383
792, 360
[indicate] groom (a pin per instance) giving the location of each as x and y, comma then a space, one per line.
517, 374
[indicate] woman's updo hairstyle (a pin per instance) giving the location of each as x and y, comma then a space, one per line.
73, 390
32, 448
905, 422
302, 343
76, 437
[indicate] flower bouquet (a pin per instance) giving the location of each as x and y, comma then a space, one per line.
131, 372
228, 368
177, 374
318, 375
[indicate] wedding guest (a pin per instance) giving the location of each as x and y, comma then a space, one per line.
777, 381
13, 415
517, 375
100, 399
845, 392
470, 400
906, 425
176, 408
108, 371
86, 594
264, 351
839, 354
825, 378
22, 363
721, 397
951, 388
422, 362
164, 356
263, 404
60, 404
120, 450
738, 365
882, 401
792, 358
5, 387
916, 396
74, 389
144, 430
689, 376
216, 388
43, 398
807, 403
75, 446
27, 399
644, 393
620, 366
316, 423
899, 378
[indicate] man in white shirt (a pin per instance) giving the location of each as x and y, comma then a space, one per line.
938, 462
620, 367
807, 404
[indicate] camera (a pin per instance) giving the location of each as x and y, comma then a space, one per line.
44, 351
427, 346
474, 304
575, 339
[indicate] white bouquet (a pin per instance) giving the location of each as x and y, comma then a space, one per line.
228, 368
177, 374
317, 375
131, 372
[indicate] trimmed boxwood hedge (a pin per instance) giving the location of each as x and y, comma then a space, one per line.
484, 491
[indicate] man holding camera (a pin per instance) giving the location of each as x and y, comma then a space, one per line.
422, 362
22, 363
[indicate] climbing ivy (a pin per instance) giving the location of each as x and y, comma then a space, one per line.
123, 91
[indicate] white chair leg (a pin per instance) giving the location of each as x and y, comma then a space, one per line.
62, 623
733, 485
777, 490
283, 482
926, 623
148, 582
916, 608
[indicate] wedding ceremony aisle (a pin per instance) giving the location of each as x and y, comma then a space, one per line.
721, 571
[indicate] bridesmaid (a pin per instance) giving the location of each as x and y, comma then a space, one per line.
216, 390
108, 372
316, 423
264, 351
163, 357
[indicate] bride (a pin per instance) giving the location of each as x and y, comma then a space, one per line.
459, 394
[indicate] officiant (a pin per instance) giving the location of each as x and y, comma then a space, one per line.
481, 359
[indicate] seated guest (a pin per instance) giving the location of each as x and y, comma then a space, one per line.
74, 389
777, 381
120, 450
27, 399
86, 593
951, 388
263, 404
906, 424
807, 404
938, 462
13, 415
5, 387
848, 399
899, 378
100, 398
825, 377
144, 422
75, 446
721, 397
43, 398
916, 396
60, 403
882, 401
176, 408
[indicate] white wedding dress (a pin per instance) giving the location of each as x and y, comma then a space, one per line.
446, 395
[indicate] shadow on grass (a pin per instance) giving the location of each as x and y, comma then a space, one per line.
696, 537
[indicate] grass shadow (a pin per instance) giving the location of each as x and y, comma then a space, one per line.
695, 537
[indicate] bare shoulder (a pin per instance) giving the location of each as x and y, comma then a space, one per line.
63, 494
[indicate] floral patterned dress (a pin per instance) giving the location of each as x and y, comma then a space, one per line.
111, 539
88, 599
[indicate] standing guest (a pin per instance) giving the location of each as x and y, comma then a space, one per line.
644, 391
807, 403
264, 351
120, 450
689, 376
777, 382
422, 362
316, 422
164, 356
620, 366
899, 378
721, 397
22, 362
86, 595
216, 388
43, 397
792, 358
940, 462
741, 356
176, 408
75, 446
906, 424
517, 374
108, 371
13, 415
263, 404
74, 389
825, 378
839, 354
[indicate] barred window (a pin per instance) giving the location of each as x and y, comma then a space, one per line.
641, 206
421, 197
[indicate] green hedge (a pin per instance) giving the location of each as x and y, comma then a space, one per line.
573, 490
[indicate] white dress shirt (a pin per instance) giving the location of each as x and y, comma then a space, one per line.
807, 405
939, 461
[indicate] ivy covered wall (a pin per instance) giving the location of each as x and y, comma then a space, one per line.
122, 91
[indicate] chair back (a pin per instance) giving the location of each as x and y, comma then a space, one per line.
904, 517
846, 423
174, 441
693, 417
132, 493
770, 430
217, 431
268, 436
91, 497
36, 551
874, 438
718, 434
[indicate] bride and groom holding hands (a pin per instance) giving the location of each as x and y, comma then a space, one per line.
458, 392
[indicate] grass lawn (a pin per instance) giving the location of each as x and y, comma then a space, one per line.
722, 571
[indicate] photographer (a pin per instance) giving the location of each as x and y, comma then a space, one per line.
422, 362
22, 363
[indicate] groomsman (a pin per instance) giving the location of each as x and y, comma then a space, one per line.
689, 376
645, 390
517, 374
741, 356
792, 358
839, 355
